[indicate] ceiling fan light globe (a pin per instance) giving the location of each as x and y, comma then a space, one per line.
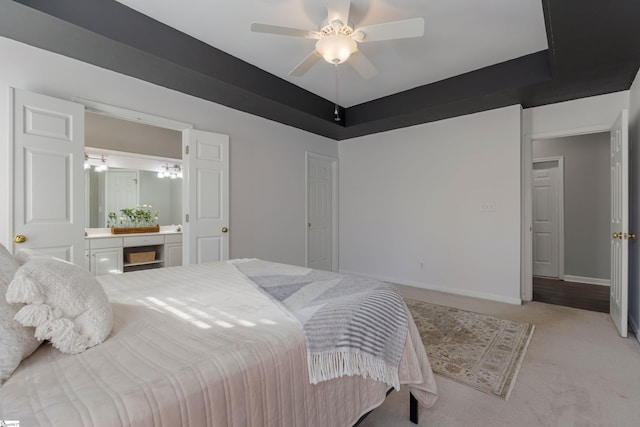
337, 48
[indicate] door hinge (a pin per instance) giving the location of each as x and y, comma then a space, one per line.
186, 218
186, 149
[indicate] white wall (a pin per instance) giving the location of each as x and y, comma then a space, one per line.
267, 158
634, 217
414, 195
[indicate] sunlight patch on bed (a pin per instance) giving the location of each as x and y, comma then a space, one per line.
199, 317
179, 313
223, 324
201, 313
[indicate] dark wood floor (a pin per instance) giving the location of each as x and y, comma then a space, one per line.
571, 294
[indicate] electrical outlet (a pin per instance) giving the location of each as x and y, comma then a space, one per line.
422, 266
488, 207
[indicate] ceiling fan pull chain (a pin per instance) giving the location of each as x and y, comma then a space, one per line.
336, 112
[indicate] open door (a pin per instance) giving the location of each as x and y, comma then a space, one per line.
619, 222
206, 197
48, 175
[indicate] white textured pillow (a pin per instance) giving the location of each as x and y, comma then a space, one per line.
16, 341
24, 255
65, 303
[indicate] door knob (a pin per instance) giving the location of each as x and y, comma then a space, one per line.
617, 235
630, 235
19, 238
224, 229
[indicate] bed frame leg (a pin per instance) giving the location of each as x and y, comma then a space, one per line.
413, 409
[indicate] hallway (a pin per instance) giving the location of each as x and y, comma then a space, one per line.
571, 294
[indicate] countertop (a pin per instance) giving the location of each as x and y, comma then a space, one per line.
102, 233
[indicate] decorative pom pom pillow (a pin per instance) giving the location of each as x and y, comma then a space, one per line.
65, 304
16, 341
24, 255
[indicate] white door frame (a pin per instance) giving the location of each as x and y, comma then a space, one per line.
334, 206
526, 241
560, 161
131, 115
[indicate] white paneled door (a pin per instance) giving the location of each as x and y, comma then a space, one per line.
48, 175
546, 218
121, 191
206, 199
321, 198
619, 222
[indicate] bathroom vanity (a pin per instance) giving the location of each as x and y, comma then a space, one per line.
107, 253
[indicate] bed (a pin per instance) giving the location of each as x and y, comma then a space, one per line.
199, 345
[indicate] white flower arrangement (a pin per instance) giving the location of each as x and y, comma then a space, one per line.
140, 216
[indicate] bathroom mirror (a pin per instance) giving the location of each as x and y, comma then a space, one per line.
129, 180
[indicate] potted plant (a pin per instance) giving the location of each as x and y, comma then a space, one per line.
139, 219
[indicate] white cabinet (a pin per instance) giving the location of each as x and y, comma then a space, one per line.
172, 250
87, 259
106, 261
172, 254
114, 255
103, 256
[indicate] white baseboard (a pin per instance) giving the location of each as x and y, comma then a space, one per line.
634, 329
588, 280
422, 285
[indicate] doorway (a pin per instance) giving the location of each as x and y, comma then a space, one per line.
571, 200
48, 210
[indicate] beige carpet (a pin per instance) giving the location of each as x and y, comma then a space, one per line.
577, 372
474, 349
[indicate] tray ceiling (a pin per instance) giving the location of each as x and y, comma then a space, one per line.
476, 54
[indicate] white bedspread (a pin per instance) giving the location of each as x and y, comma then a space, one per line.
195, 346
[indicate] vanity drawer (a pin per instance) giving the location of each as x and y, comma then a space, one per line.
108, 242
173, 238
143, 241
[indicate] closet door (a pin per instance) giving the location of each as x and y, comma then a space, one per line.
48, 175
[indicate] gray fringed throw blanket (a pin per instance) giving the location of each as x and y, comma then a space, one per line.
352, 325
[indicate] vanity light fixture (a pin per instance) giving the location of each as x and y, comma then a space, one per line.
172, 172
101, 167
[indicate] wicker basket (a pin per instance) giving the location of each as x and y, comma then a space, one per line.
139, 257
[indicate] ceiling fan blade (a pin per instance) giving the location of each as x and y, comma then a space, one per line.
306, 64
362, 65
390, 30
283, 31
338, 9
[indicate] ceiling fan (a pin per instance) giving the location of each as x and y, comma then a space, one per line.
338, 39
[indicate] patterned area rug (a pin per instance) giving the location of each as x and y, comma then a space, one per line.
480, 351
